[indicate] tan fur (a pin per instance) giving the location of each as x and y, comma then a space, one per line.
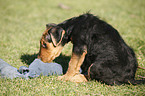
73, 73
78, 78
53, 50
50, 53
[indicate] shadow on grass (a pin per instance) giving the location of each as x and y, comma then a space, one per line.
62, 60
28, 58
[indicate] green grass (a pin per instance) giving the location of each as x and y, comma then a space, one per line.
23, 21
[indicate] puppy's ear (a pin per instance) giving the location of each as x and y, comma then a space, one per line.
57, 35
50, 25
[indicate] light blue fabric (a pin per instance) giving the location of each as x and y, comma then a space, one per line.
8, 71
36, 68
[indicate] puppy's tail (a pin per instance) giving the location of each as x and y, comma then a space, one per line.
141, 67
135, 82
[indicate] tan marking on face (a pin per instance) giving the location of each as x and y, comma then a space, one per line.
49, 53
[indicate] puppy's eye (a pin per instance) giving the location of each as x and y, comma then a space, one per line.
48, 38
44, 45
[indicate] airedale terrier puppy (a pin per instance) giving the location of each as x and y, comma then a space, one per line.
97, 48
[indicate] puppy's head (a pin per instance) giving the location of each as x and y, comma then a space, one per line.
50, 43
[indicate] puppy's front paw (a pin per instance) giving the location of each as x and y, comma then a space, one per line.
64, 77
78, 78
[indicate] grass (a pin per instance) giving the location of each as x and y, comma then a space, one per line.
23, 21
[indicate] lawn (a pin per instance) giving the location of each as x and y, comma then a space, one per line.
22, 23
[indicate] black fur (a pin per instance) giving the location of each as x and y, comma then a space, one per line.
112, 60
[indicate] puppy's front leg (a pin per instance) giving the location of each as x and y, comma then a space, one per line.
73, 73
